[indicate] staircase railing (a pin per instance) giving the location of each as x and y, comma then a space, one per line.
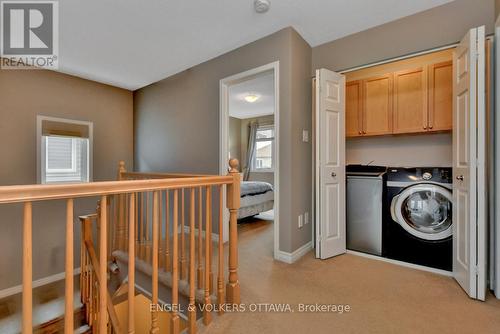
124, 225
91, 279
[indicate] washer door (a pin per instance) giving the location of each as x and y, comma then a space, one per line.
424, 211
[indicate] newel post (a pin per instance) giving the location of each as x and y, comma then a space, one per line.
233, 204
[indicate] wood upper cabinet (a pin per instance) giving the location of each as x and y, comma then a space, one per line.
440, 96
353, 108
410, 101
408, 96
377, 105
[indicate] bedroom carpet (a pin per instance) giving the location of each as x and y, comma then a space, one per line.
383, 297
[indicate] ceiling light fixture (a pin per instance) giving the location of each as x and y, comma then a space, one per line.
251, 98
261, 6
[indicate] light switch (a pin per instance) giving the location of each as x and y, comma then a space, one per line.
305, 136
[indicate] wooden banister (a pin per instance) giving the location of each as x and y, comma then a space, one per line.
127, 222
192, 306
154, 277
94, 268
27, 270
174, 320
69, 268
43, 192
233, 204
131, 265
103, 288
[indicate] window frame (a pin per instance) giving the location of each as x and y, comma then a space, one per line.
41, 149
253, 167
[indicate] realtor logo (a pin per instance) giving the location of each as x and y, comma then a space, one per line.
29, 34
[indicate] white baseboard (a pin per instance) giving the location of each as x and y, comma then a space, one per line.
215, 236
401, 263
40, 282
295, 255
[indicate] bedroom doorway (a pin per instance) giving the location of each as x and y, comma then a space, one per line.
249, 132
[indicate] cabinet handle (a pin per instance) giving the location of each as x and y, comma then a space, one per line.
430, 126
460, 177
360, 132
364, 132
334, 174
425, 127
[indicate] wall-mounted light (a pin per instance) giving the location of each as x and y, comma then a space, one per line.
251, 98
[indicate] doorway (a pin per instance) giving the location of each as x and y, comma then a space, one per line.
249, 132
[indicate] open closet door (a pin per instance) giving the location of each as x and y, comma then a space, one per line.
330, 164
469, 183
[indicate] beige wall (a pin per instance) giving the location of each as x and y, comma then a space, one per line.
497, 8
436, 27
182, 114
235, 138
23, 96
439, 26
401, 151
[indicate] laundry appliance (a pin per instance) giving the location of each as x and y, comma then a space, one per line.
417, 225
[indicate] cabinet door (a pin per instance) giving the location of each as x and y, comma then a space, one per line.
410, 101
353, 111
377, 105
440, 96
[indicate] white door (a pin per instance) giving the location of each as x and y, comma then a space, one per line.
469, 237
330, 164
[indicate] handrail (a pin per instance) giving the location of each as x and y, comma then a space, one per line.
28, 193
139, 175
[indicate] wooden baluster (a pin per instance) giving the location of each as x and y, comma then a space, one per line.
233, 204
183, 268
82, 266
103, 314
174, 322
210, 248
137, 223
68, 300
27, 270
121, 226
131, 265
154, 276
220, 273
148, 231
168, 263
141, 237
207, 317
160, 235
200, 244
192, 263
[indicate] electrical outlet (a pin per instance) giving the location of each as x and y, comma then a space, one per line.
306, 218
301, 221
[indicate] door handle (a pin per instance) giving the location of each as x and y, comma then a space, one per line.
334, 174
460, 177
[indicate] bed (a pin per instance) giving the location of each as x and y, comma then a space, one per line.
256, 197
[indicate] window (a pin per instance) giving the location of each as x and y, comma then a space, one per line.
263, 160
65, 151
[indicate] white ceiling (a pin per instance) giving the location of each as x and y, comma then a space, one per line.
130, 43
263, 86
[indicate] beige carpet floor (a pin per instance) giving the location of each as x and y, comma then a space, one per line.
384, 298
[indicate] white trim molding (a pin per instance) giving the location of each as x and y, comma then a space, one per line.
402, 264
38, 283
224, 136
295, 255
